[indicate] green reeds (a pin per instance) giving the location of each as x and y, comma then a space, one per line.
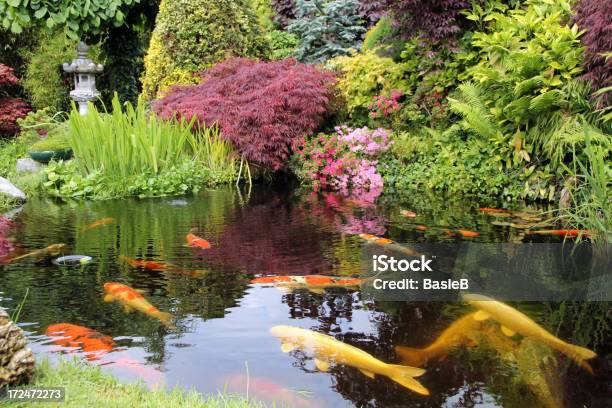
132, 141
591, 206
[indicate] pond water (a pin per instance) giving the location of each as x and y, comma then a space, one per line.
220, 339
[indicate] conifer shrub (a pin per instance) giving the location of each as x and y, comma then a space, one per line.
262, 107
326, 29
192, 35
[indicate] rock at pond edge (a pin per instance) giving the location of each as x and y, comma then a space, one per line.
7, 188
16, 359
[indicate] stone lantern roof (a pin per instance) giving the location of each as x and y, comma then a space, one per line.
82, 64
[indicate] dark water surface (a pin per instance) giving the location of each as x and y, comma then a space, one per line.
222, 321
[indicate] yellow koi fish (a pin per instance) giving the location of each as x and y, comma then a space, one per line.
133, 300
327, 350
51, 250
457, 334
513, 321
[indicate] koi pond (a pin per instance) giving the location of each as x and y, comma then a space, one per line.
209, 306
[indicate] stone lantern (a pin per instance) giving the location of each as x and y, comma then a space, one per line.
84, 71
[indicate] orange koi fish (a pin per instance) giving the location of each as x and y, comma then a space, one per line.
313, 283
133, 300
142, 263
468, 234
389, 243
493, 210
197, 242
99, 223
421, 227
569, 233
94, 344
408, 213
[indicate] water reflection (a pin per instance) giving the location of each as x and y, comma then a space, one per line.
222, 320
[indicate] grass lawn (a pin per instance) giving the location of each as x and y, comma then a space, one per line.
88, 386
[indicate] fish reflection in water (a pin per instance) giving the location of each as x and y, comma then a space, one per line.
327, 350
99, 223
161, 266
134, 300
101, 349
268, 390
513, 321
94, 344
313, 283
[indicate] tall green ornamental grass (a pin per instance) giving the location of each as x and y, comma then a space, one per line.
131, 152
591, 207
127, 142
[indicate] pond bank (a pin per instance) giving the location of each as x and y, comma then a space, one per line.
88, 386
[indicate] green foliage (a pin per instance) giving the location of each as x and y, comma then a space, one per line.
365, 75
524, 98
191, 35
264, 12
377, 34
591, 207
451, 166
64, 180
58, 139
77, 18
326, 29
38, 124
282, 44
10, 151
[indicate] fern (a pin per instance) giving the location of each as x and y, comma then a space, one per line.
471, 107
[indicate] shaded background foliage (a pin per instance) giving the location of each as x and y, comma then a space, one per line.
434, 19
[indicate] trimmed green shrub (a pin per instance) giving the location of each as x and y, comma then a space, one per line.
282, 44
57, 139
264, 12
44, 81
191, 35
377, 35
364, 76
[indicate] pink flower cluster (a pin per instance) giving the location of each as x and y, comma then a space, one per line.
345, 161
384, 106
5, 244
